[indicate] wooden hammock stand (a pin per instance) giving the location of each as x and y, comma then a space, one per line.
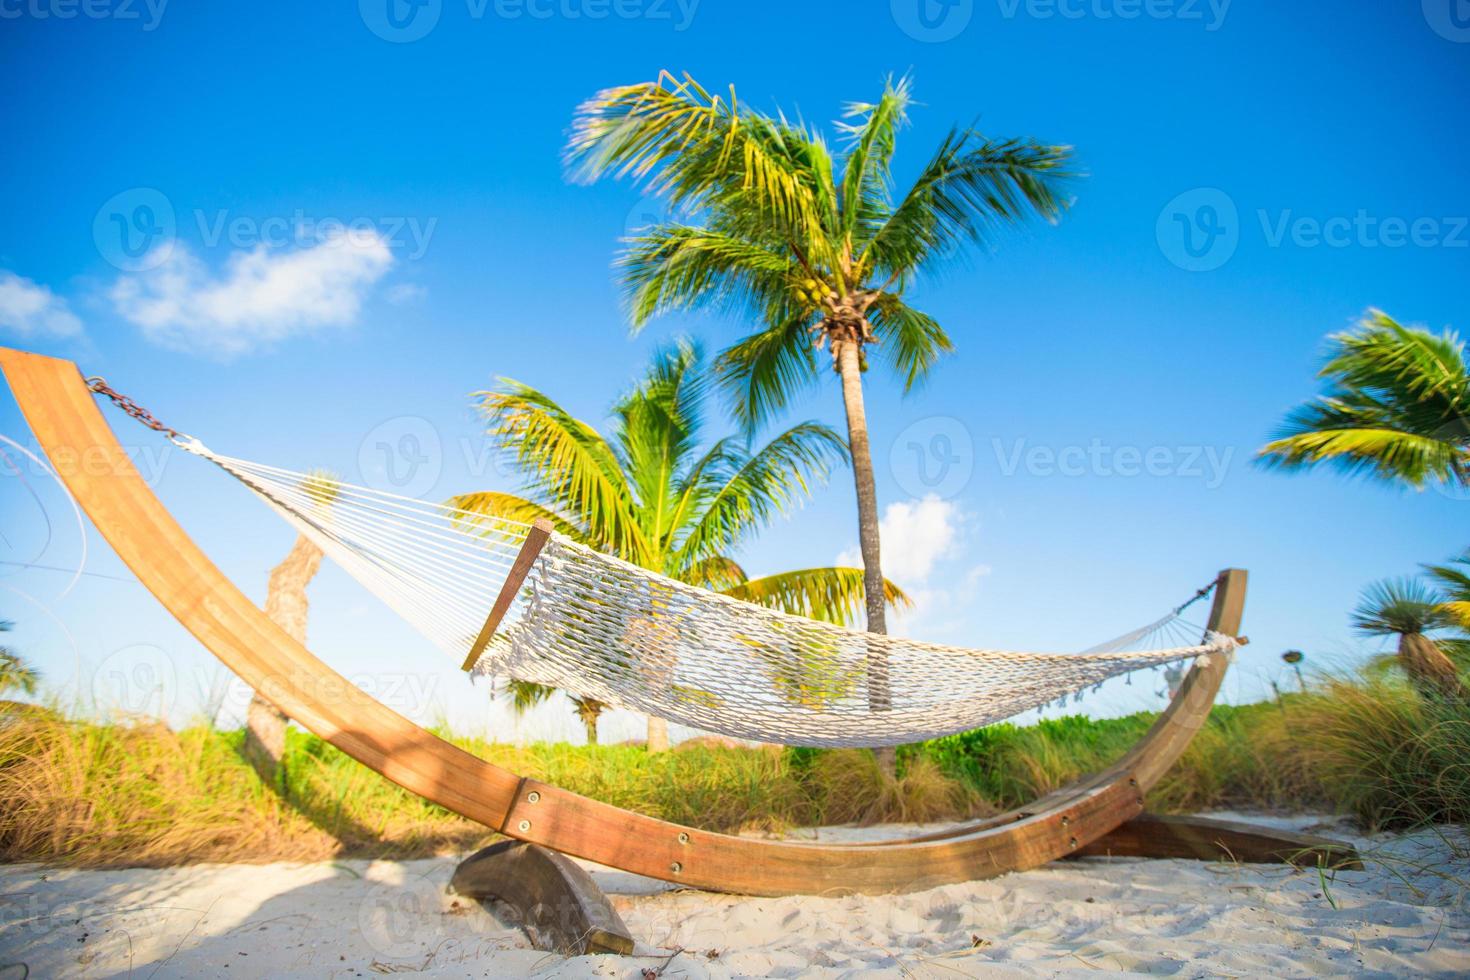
1099, 814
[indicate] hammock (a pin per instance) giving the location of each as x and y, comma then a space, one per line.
589, 623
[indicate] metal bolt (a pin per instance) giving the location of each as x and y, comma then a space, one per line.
1066, 821
1132, 781
523, 826
1072, 842
533, 797
683, 838
676, 867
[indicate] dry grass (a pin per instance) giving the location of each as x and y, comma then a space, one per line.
96, 795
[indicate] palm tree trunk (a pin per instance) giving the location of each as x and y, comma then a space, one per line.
849, 365
658, 735
1428, 668
286, 604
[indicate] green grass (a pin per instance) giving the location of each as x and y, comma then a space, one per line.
89, 794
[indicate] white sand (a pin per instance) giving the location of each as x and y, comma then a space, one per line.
1405, 915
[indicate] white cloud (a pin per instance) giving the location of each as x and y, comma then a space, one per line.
261, 297
915, 535
918, 536
31, 310
405, 293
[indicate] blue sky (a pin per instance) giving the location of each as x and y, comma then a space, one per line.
1312, 152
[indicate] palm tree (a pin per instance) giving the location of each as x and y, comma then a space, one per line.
653, 493
525, 695
1411, 610
804, 243
15, 673
286, 604
1396, 407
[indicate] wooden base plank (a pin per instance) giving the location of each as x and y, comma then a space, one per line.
1207, 839
557, 902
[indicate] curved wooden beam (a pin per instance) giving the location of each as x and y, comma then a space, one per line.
95, 468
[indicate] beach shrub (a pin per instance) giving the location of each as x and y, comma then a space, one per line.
140, 794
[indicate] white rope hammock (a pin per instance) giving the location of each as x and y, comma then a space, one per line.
599, 627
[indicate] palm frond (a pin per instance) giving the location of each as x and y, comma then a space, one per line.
970, 187
1396, 407
491, 503
833, 595
1398, 607
566, 463
717, 572
658, 426
525, 695
680, 267
910, 341
762, 373
699, 150
866, 170
741, 491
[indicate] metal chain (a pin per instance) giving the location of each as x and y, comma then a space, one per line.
132, 408
1197, 597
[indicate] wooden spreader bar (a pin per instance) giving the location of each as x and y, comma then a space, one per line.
519, 569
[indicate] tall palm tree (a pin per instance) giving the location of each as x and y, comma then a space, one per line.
1396, 407
1411, 610
805, 243
286, 604
657, 495
15, 673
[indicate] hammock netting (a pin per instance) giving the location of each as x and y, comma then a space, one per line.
596, 626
